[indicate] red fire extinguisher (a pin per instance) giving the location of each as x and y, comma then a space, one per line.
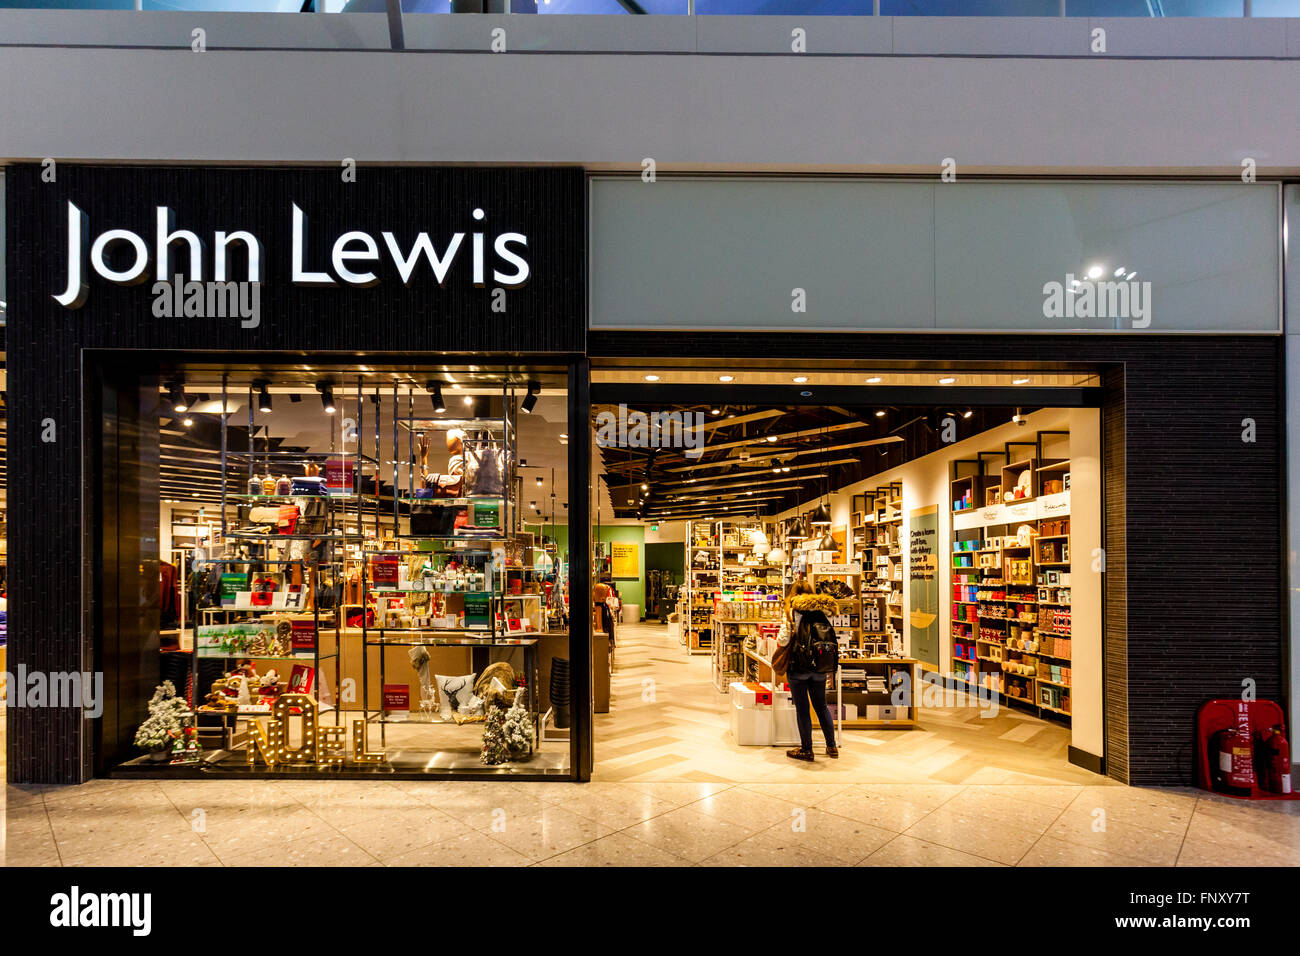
1236, 766
1275, 754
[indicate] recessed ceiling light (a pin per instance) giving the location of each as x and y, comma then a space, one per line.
873, 380
947, 380
726, 378
1119, 271
1129, 277
1020, 381
644, 486
715, 411
564, 435
771, 438
187, 421
800, 379
880, 413
469, 399
652, 378
1094, 272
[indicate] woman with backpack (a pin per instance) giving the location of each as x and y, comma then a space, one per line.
802, 649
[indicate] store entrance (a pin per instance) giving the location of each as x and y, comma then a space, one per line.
945, 523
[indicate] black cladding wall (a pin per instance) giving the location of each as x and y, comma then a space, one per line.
1194, 514
49, 628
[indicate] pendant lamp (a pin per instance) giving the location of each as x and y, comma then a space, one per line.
776, 556
821, 515
798, 532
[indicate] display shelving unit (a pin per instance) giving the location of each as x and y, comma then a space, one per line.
443, 604
1011, 574
703, 584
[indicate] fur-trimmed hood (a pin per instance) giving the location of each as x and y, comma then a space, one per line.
813, 602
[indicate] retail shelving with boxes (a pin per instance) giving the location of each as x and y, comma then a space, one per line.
1011, 573
703, 584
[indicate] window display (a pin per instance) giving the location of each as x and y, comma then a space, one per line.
368, 594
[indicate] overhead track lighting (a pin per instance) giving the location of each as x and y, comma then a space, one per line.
176, 395
530, 400
436, 390
327, 397
264, 399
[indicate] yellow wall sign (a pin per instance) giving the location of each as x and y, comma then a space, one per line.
625, 559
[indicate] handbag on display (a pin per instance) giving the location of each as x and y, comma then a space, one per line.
312, 520
434, 521
287, 520
485, 463
448, 486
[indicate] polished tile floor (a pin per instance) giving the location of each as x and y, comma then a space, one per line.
948, 795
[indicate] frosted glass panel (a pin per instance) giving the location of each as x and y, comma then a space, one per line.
856, 255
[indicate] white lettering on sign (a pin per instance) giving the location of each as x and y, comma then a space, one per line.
125, 258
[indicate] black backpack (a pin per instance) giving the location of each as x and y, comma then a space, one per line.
816, 649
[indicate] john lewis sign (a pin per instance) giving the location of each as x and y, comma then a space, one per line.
354, 255
405, 259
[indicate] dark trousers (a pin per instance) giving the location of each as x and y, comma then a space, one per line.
803, 687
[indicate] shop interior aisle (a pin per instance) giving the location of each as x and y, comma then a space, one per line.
667, 723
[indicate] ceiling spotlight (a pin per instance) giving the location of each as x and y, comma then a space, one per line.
564, 435
652, 378
874, 380
187, 421
880, 413
436, 390
264, 399
533, 505
530, 400
771, 438
644, 486
539, 481
967, 413
176, 395
1119, 272
1129, 277
715, 411
194, 494
947, 380
726, 378
469, 399
1094, 272
1020, 381
327, 398
800, 379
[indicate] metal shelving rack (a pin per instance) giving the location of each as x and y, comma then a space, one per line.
316, 574
502, 436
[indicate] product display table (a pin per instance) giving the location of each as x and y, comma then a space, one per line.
873, 704
434, 638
